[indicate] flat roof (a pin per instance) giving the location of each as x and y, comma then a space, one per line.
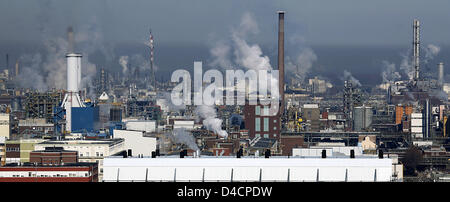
175, 161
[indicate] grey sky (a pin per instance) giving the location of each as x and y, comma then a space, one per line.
321, 22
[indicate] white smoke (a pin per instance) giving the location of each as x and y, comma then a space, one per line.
50, 71
389, 74
439, 94
30, 76
166, 96
430, 52
181, 136
407, 65
407, 62
237, 51
210, 120
221, 54
301, 65
123, 61
349, 77
141, 62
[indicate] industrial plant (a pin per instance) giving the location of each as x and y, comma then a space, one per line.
99, 124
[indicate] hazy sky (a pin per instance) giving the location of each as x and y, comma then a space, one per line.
320, 22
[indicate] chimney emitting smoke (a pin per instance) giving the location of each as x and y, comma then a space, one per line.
281, 58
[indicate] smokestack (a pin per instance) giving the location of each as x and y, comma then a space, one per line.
7, 61
70, 40
73, 71
17, 68
427, 118
281, 58
416, 45
72, 97
441, 74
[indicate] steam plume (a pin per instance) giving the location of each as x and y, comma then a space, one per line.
181, 136
210, 120
349, 77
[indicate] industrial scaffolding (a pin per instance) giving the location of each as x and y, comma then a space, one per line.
42, 105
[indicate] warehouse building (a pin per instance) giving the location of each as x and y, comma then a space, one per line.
247, 169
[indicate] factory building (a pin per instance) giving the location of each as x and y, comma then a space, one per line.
88, 150
260, 123
316, 151
5, 129
417, 125
247, 169
187, 124
18, 151
148, 126
35, 127
42, 105
402, 113
53, 156
137, 142
85, 119
79, 172
311, 115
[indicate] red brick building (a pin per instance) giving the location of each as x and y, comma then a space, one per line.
288, 142
53, 156
79, 172
260, 124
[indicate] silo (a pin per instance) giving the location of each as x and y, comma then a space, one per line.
362, 118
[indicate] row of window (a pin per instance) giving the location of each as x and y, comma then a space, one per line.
96, 154
265, 111
265, 135
55, 175
12, 149
265, 125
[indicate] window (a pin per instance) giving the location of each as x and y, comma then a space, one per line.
266, 111
274, 135
257, 135
257, 110
266, 135
274, 120
274, 128
257, 124
266, 124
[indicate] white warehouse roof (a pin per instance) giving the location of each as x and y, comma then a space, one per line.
246, 169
